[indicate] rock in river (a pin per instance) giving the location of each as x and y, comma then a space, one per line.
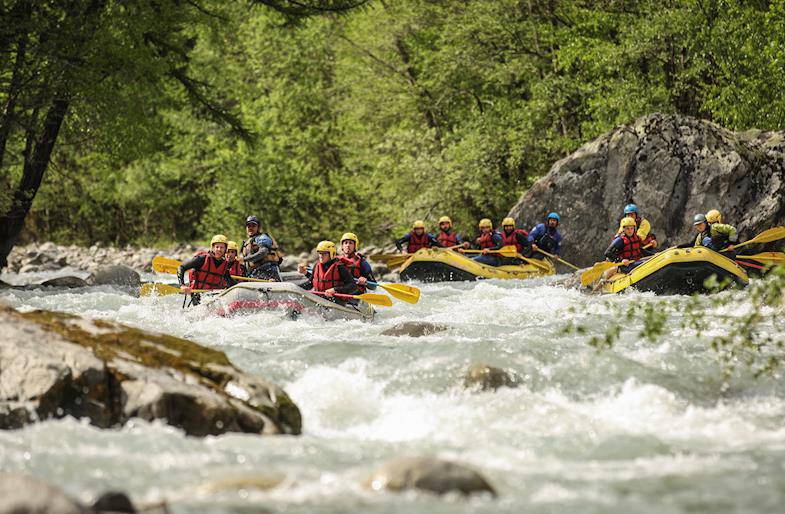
428, 474
487, 377
56, 365
414, 329
116, 275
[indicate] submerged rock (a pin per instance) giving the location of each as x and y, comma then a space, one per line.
55, 365
414, 329
428, 474
672, 167
117, 275
20, 494
487, 377
67, 281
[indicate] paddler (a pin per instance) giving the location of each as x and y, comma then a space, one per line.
417, 239
626, 248
714, 234
644, 227
546, 236
252, 230
263, 258
210, 270
329, 275
236, 267
355, 262
487, 241
517, 237
447, 237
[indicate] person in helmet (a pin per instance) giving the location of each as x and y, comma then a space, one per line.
546, 236
627, 247
236, 267
209, 270
516, 237
644, 227
417, 239
447, 237
487, 241
329, 276
714, 234
355, 262
263, 259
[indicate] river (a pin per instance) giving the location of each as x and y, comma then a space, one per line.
643, 427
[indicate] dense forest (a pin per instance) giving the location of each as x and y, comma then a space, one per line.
360, 119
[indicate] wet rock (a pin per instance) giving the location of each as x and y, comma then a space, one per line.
414, 329
114, 501
672, 167
117, 275
290, 263
23, 494
69, 282
428, 474
487, 377
110, 373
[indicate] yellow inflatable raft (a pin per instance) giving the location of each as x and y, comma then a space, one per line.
438, 265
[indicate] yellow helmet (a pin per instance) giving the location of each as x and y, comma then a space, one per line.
445, 219
219, 238
508, 221
326, 246
351, 237
418, 224
714, 216
627, 222
231, 245
485, 223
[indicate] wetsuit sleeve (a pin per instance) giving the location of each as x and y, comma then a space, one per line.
458, 239
612, 253
194, 263
535, 233
497, 241
347, 286
524, 242
258, 256
433, 241
399, 243
367, 272
307, 284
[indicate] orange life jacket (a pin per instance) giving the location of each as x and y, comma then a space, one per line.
416, 242
210, 275
512, 238
447, 240
632, 248
353, 265
486, 241
323, 280
237, 269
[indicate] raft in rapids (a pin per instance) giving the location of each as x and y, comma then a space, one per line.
287, 297
680, 271
435, 265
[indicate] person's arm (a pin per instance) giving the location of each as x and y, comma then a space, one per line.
728, 230
526, 247
307, 284
399, 243
194, 263
433, 241
367, 272
535, 233
258, 256
496, 239
348, 285
612, 252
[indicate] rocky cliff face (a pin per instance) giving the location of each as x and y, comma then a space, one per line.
672, 167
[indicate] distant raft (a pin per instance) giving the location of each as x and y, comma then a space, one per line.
435, 265
286, 297
680, 271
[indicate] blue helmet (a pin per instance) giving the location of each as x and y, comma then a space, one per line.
554, 216
630, 208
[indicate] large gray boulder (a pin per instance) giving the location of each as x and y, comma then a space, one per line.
428, 474
672, 167
117, 275
55, 365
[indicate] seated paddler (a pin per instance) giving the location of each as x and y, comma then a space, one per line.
329, 276
627, 247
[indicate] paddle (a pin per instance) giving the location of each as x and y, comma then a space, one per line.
398, 260
765, 257
750, 265
384, 257
409, 294
372, 298
767, 236
552, 256
152, 288
167, 265
595, 272
506, 251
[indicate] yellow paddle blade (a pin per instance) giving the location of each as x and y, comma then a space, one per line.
398, 261
151, 288
505, 251
767, 236
375, 299
409, 294
772, 257
595, 272
165, 265
535, 262
384, 257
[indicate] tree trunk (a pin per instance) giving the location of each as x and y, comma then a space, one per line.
36, 162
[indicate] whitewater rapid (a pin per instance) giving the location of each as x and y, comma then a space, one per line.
643, 427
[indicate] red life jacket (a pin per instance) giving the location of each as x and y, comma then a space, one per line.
632, 248
237, 269
324, 280
416, 242
353, 265
447, 240
512, 238
210, 275
486, 241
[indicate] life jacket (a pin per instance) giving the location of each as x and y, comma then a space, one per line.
486, 241
447, 239
274, 254
546, 241
632, 248
353, 265
417, 242
237, 269
209, 276
324, 280
512, 239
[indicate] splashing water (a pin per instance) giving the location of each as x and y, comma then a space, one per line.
644, 427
